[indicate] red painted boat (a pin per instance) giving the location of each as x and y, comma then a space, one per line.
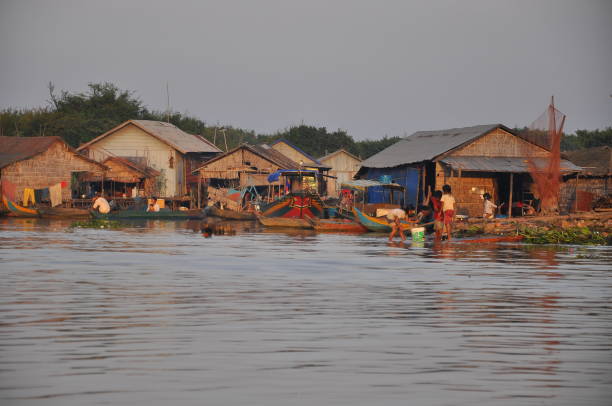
338, 225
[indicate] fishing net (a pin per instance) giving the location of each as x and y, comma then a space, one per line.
546, 132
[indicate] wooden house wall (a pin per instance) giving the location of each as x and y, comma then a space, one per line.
466, 188
229, 166
46, 169
344, 167
131, 141
120, 172
589, 190
501, 143
292, 153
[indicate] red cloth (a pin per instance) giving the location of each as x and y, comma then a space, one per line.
9, 189
64, 184
448, 216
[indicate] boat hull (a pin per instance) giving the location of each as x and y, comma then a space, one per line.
295, 205
64, 212
284, 222
229, 214
379, 225
19, 211
149, 215
338, 225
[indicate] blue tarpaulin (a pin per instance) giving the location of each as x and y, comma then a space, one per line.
407, 177
273, 177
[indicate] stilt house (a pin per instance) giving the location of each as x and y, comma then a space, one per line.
344, 166
593, 183
42, 162
472, 160
160, 146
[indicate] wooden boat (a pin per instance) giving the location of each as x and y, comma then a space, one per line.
19, 211
163, 214
295, 205
284, 222
377, 224
229, 214
488, 240
63, 212
337, 225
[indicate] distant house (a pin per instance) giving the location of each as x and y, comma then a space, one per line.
157, 145
473, 160
244, 167
594, 180
305, 160
344, 166
42, 162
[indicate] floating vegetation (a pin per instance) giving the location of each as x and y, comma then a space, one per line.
97, 223
571, 235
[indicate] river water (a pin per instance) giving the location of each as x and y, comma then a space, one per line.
156, 314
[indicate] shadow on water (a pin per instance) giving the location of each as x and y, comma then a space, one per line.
155, 313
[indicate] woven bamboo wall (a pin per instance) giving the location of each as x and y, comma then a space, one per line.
229, 166
53, 166
466, 189
501, 143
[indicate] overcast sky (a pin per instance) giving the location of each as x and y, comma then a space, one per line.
372, 68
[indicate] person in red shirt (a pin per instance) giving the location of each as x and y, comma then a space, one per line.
438, 214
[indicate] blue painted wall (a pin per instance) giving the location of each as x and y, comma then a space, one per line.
407, 177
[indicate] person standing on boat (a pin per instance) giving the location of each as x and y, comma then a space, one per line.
448, 207
396, 216
101, 204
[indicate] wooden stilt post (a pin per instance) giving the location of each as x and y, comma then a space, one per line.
510, 196
576, 193
199, 191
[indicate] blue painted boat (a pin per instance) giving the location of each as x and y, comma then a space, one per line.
380, 225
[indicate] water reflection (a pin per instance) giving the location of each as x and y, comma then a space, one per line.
154, 313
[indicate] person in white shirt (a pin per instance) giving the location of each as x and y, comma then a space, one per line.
448, 208
489, 206
101, 204
153, 206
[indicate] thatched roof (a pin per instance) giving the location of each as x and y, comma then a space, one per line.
596, 161
15, 149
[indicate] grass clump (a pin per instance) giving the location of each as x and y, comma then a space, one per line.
572, 235
96, 223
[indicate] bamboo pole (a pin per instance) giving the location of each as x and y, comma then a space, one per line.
510, 196
576, 194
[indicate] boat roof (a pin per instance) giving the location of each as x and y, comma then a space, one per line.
363, 184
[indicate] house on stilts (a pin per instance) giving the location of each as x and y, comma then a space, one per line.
474, 160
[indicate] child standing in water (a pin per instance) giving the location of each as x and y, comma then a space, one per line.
448, 208
438, 214
489, 207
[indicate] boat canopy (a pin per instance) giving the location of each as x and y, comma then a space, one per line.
273, 177
364, 184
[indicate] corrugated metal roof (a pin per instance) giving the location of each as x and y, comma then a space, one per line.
426, 145
165, 132
501, 164
14, 149
597, 161
177, 138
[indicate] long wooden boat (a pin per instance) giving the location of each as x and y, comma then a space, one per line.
337, 225
229, 214
488, 240
284, 222
376, 224
163, 214
19, 211
295, 205
63, 212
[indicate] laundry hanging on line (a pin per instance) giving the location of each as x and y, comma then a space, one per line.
55, 193
28, 196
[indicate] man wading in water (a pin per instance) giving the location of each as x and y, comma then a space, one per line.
395, 216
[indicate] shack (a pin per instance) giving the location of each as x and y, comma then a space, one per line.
160, 146
242, 167
306, 160
582, 191
344, 166
489, 158
44, 165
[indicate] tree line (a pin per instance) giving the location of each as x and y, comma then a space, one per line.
80, 117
